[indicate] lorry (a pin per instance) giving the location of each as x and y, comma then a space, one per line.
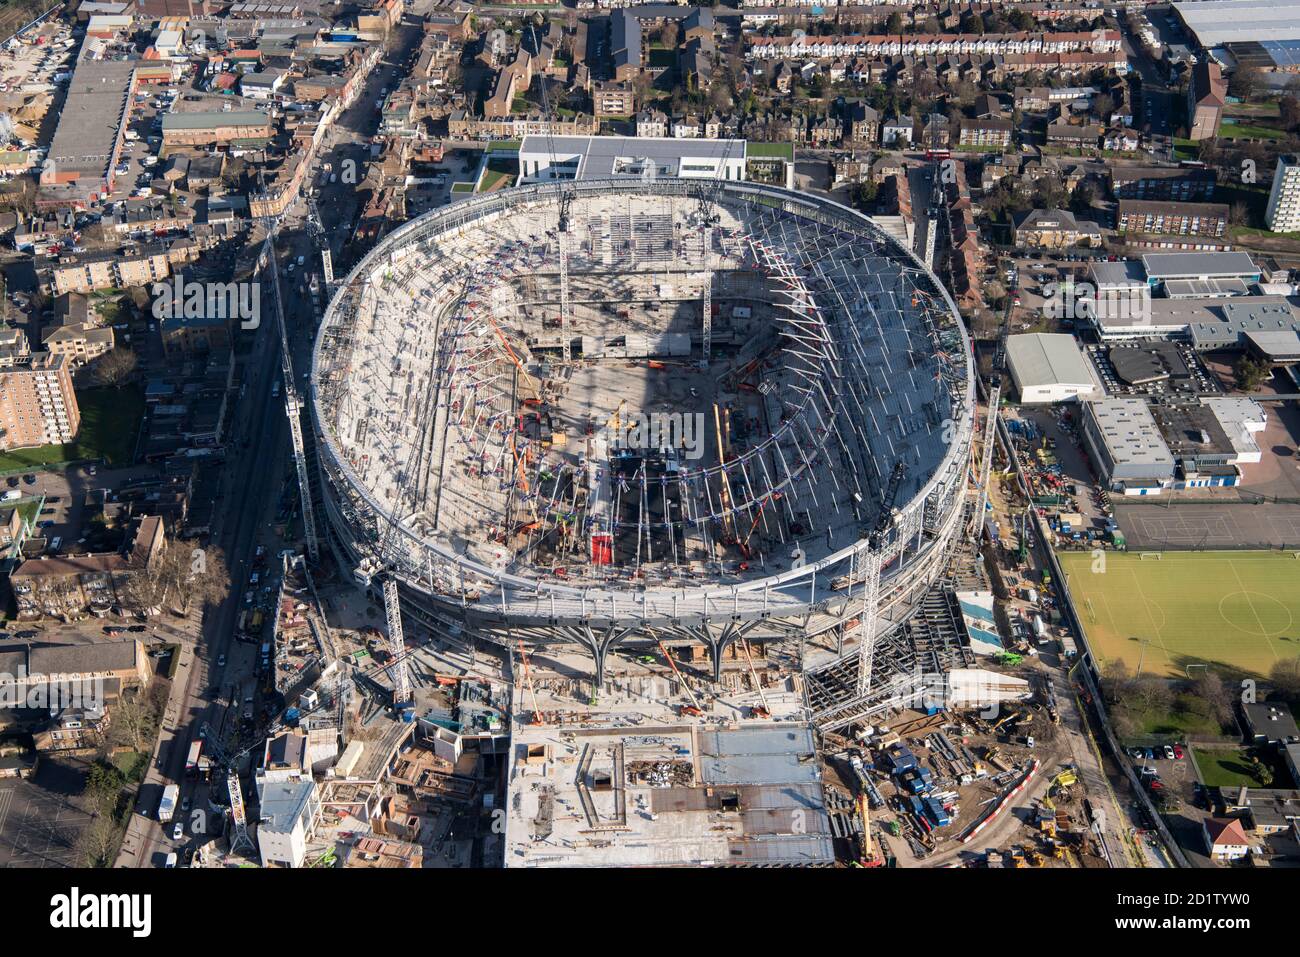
167, 806
192, 759
1068, 648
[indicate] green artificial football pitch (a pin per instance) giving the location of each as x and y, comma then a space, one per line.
1236, 610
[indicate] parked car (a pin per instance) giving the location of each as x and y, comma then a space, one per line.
1169, 752
178, 831
1178, 752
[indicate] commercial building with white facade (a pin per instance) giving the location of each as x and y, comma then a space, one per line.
1126, 445
543, 158
1049, 368
290, 813
1242, 419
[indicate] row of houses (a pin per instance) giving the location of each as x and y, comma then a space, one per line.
931, 45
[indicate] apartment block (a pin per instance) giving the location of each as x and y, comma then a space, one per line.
1172, 219
990, 131
1283, 213
87, 272
1178, 184
613, 99
37, 403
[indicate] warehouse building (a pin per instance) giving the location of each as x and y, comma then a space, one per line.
1203, 453
1210, 323
1126, 446
88, 139
1216, 22
1049, 368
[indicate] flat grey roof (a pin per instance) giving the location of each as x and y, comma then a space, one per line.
1130, 432
282, 803
214, 120
1122, 273
88, 123
600, 153
1216, 22
1228, 319
1040, 359
1204, 288
1280, 344
1164, 266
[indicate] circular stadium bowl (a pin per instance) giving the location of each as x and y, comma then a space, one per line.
731, 406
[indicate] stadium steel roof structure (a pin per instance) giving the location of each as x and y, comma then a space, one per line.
438, 357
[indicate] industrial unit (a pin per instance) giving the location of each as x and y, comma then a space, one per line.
1049, 368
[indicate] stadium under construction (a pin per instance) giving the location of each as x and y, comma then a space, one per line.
626, 412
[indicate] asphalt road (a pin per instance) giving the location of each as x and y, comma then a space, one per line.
257, 465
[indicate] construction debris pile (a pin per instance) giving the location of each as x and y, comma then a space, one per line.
660, 774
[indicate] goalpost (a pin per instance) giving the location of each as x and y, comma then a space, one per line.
1145, 555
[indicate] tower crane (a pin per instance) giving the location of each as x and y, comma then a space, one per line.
565, 208
867, 564
292, 403
241, 839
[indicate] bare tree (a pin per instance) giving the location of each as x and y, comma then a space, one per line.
98, 843
135, 719
115, 368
